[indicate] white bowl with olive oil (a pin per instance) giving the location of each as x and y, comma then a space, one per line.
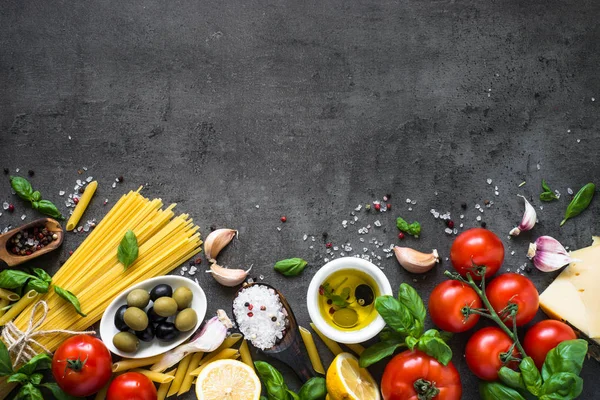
341, 299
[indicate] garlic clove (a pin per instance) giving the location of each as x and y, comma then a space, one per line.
414, 261
548, 254
216, 241
228, 277
528, 221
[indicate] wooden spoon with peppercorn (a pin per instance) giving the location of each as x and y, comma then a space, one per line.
29, 241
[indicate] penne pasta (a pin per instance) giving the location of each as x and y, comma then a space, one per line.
231, 354
3, 303
127, 364
19, 306
8, 295
186, 385
245, 354
311, 348
161, 393
101, 395
331, 345
356, 348
179, 375
157, 377
229, 342
84, 200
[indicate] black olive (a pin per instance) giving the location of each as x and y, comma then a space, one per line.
162, 290
154, 317
166, 331
119, 321
364, 295
147, 334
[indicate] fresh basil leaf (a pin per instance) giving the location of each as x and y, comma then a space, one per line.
432, 333
36, 196
13, 279
313, 389
568, 356
273, 381
498, 391
5, 361
36, 378
580, 202
43, 275
548, 196
511, 378
57, 392
41, 283
18, 378
128, 249
22, 187
436, 348
411, 342
292, 395
388, 334
565, 384
290, 266
545, 186
395, 315
531, 376
409, 297
445, 336
71, 298
40, 361
48, 208
377, 352
413, 229
29, 392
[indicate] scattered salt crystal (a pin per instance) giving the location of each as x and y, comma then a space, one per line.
477, 206
257, 206
413, 202
279, 228
362, 239
388, 255
326, 259
448, 231
358, 208
78, 181
88, 179
379, 258
489, 181
312, 238
538, 166
436, 214
593, 99
432, 211
377, 223
348, 249
568, 131
311, 247
462, 216
114, 185
409, 208
86, 227
541, 207
23, 216
61, 193
557, 193
408, 200
342, 254
184, 269
305, 237
5, 205
335, 248
578, 140
181, 272
570, 191
85, 168
345, 223
69, 137
355, 218
461, 225
512, 253
455, 231
478, 218
496, 193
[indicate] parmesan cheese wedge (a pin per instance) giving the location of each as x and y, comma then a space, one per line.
574, 296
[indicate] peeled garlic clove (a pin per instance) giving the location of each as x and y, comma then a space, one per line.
216, 241
414, 261
528, 221
228, 277
548, 254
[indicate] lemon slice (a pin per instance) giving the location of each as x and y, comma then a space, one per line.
347, 381
228, 380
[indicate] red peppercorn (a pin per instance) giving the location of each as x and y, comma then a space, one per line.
328, 245
450, 223
250, 306
283, 218
321, 290
377, 206
263, 308
70, 252
198, 260
28, 252
401, 236
331, 310
75, 200
11, 208
389, 206
250, 315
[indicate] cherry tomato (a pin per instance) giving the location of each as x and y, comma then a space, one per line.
484, 351
479, 247
446, 303
131, 386
401, 373
515, 289
82, 365
543, 337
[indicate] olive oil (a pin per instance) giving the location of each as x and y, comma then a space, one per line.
347, 299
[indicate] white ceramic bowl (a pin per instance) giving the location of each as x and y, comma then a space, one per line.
155, 347
312, 300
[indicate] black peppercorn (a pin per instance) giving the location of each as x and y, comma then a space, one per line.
246, 304
120, 179
325, 234
463, 206
483, 224
6, 171
213, 228
528, 269
273, 319
31, 172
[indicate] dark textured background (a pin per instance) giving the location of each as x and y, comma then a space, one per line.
308, 109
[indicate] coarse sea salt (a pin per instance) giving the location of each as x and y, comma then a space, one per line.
260, 315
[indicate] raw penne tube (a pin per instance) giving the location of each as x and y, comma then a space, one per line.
231, 354
331, 345
229, 342
3, 303
186, 385
8, 295
84, 200
245, 354
311, 347
356, 348
181, 370
127, 364
19, 306
101, 395
161, 394
157, 377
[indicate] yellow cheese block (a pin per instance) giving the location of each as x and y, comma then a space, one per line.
574, 296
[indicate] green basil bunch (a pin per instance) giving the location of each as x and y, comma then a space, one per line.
413, 229
23, 189
22, 281
313, 389
548, 194
290, 266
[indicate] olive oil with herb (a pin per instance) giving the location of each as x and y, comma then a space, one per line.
347, 299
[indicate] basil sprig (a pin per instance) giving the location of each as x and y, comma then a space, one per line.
23, 189
29, 377
128, 249
405, 322
22, 281
558, 379
413, 229
548, 194
313, 389
290, 266
580, 202
71, 298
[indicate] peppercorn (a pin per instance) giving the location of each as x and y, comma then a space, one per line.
250, 314
389, 196
283, 218
81, 189
450, 223
331, 310
528, 269
321, 290
463, 206
273, 319
120, 179
483, 224
329, 301
6, 171
11, 208
401, 236
76, 200
389, 206
377, 206
197, 260
246, 304
263, 308
213, 228
250, 307
328, 245
368, 207
486, 202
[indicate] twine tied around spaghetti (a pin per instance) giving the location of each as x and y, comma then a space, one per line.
20, 343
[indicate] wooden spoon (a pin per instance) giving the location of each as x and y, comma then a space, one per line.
289, 349
8, 259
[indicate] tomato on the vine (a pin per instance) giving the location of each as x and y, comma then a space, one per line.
514, 289
82, 365
488, 350
543, 337
413, 375
477, 247
131, 386
446, 304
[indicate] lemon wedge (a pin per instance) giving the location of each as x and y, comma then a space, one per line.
228, 380
347, 381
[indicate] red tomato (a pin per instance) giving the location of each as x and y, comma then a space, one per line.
484, 350
401, 373
543, 337
82, 365
446, 303
131, 386
477, 246
515, 289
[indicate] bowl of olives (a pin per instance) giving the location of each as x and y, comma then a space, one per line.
153, 317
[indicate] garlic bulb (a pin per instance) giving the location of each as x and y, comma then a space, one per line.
528, 221
414, 261
228, 277
216, 241
548, 254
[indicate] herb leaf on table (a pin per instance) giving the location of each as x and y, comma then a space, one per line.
290, 266
23, 189
413, 229
128, 249
71, 298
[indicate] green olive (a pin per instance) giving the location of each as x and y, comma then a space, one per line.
165, 306
136, 318
183, 296
186, 320
126, 341
138, 298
